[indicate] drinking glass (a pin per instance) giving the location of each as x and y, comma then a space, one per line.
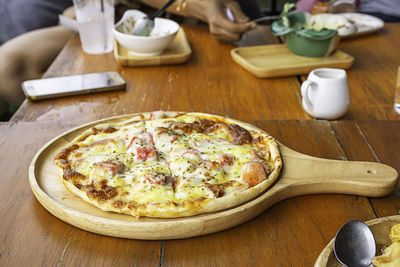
397, 92
95, 22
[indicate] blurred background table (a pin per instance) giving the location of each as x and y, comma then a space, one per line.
290, 233
211, 82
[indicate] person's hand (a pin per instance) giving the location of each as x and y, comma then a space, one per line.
221, 27
214, 13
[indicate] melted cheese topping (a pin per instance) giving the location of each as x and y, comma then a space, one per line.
155, 162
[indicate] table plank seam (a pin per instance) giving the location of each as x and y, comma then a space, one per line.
372, 207
367, 142
374, 155
338, 141
298, 94
65, 247
162, 247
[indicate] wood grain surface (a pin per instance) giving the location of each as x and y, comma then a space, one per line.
177, 52
372, 78
301, 175
30, 236
276, 60
290, 233
212, 82
375, 136
274, 238
380, 228
209, 82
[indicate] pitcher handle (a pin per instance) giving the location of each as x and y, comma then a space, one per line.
304, 92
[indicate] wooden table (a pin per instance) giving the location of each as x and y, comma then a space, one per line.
211, 82
291, 233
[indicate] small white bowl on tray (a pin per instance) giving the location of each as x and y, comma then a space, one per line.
145, 46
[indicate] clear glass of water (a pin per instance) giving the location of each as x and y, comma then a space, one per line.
95, 21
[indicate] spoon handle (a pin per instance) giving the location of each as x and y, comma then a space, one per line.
162, 9
266, 18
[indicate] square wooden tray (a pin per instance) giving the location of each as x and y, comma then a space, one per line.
270, 61
179, 51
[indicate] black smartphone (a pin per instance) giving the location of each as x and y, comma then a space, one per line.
73, 85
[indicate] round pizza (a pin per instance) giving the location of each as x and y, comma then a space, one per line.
169, 164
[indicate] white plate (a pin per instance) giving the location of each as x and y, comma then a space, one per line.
365, 23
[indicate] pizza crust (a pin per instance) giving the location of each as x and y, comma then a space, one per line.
188, 208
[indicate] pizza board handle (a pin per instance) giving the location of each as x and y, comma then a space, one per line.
309, 175
303, 175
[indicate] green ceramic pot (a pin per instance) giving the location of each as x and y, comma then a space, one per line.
303, 42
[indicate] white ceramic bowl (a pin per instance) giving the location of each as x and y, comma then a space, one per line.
162, 35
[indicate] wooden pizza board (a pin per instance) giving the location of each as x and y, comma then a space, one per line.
301, 174
380, 228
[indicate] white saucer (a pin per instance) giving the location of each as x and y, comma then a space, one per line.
365, 23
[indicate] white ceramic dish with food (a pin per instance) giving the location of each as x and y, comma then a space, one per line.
159, 39
365, 23
380, 228
341, 24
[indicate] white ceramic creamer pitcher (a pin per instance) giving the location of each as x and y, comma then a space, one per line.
325, 93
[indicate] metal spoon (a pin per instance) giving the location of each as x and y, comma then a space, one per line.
266, 18
354, 245
145, 25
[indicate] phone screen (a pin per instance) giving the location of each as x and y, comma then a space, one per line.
72, 85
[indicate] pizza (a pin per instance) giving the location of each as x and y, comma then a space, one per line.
169, 164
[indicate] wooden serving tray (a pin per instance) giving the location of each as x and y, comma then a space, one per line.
268, 61
179, 51
380, 229
301, 174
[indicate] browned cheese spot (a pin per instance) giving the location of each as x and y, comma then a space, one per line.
257, 140
109, 130
103, 194
61, 158
240, 135
217, 189
199, 126
71, 174
175, 184
118, 204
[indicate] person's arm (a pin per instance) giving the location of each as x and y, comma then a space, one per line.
26, 57
214, 13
